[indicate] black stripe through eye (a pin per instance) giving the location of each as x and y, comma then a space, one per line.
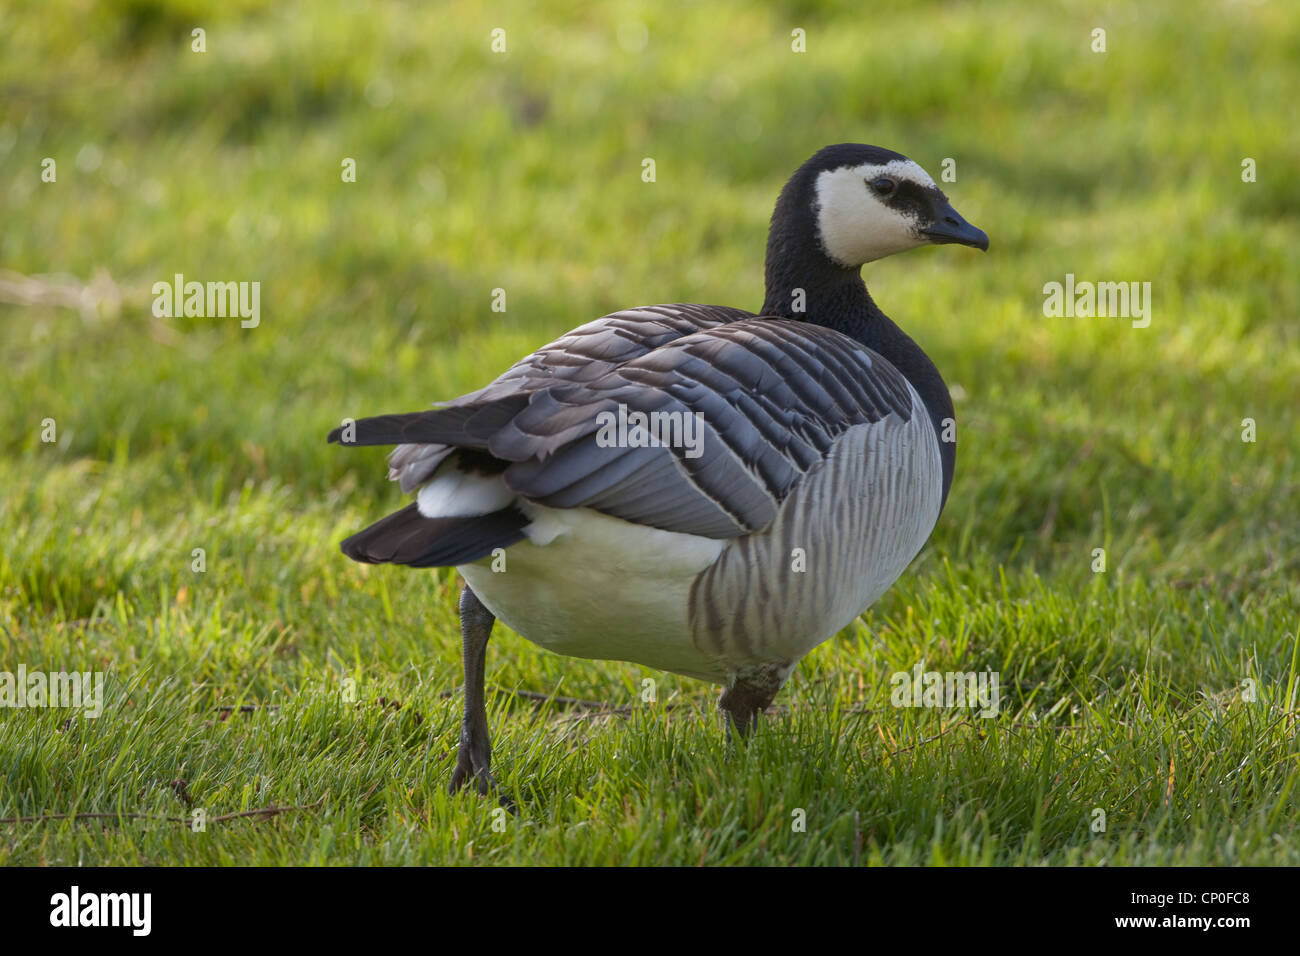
914, 199
883, 185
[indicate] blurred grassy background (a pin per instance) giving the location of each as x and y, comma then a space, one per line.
478, 170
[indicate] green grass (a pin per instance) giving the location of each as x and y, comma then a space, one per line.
1122, 690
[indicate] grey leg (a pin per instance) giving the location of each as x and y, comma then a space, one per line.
475, 753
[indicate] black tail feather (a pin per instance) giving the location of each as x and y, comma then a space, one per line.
380, 430
471, 426
407, 537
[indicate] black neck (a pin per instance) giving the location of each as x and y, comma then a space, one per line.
836, 297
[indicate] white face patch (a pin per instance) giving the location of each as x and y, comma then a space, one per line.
855, 226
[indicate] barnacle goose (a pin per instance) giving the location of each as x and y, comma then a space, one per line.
817, 475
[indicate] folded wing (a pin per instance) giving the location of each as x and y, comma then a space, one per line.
737, 409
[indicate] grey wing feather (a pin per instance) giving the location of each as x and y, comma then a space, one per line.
771, 397
582, 355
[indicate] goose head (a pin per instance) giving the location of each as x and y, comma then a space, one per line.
863, 203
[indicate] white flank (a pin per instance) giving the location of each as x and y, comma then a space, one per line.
590, 585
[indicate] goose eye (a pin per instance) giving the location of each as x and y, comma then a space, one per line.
883, 186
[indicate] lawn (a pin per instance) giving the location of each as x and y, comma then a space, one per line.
180, 533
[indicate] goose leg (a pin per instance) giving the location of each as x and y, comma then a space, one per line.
741, 703
750, 694
474, 755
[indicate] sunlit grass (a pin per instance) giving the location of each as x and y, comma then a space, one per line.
1124, 691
